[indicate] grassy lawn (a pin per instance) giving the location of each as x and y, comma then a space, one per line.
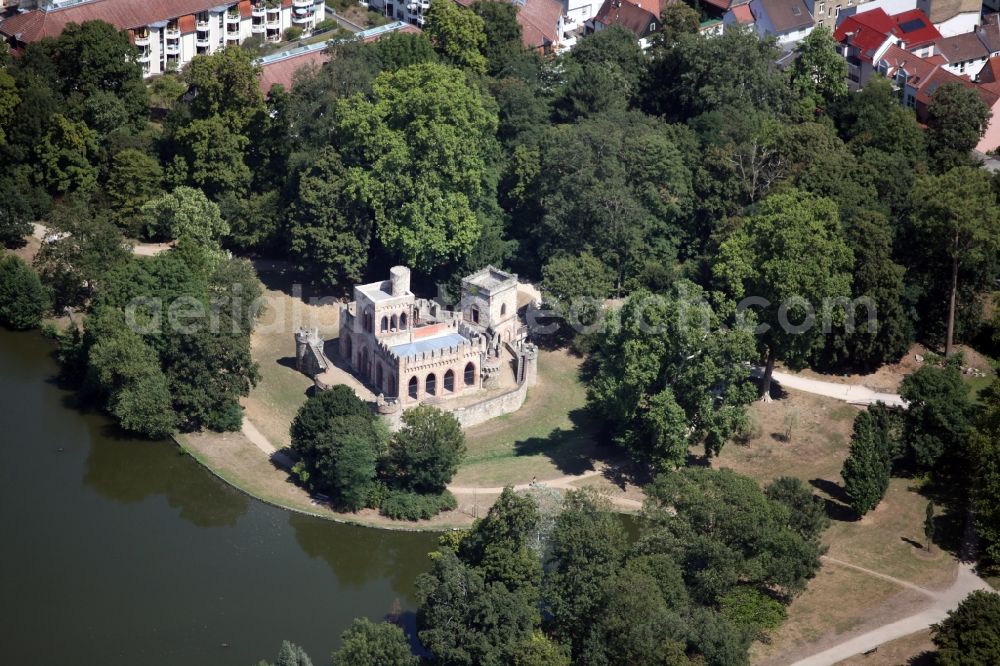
838, 601
549, 437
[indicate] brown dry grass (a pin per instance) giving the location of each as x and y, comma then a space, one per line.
839, 602
912, 650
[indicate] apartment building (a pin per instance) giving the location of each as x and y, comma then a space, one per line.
170, 33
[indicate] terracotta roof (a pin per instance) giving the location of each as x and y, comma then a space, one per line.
742, 14
638, 20
915, 29
940, 76
989, 32
866, 32
960, 48
787, 15
539, 21
915, 67
990, 73
39, 23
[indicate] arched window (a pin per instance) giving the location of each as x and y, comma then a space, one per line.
391, 392
393, 324
402, 322
365, 368
430, 384
449, 381
347, 348
385, 324
475, 314
378, 375
368, 321
503, 309
412, 388
470, 374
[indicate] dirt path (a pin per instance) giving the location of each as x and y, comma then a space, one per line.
40, 231
258, 439
855, 394
560, 483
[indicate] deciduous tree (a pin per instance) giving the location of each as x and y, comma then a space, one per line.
369, 643
970, 635
23, 300
424, 454
956, 120
458, 34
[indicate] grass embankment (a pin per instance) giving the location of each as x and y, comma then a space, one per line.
889, 540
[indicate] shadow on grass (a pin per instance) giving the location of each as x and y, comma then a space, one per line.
926, 658
777, 391
836, 505
573, 450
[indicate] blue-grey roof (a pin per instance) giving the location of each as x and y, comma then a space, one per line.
428, 344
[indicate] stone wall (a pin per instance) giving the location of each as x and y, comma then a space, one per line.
471, 415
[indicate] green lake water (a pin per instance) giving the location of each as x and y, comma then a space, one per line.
117, 551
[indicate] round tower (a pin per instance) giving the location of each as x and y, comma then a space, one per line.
399, 276
301, 345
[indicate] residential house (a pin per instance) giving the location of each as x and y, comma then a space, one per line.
170, 33
740, 14
950, 17
641, 17
964, 54
789, 21
865, 38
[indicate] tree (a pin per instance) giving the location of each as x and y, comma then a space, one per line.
954, 219
16, 211
134, 179
540, 650
938, 416
970, 635
67, 156
23, 301
807, 512
424, 454
579, 283
723, 532
225, 83
210, 155
791, 253
402, 49
369, 643
124, 369
502, 46
458, 34
290, 655
984, 465
677, 19
465, 620
668, 376
956, 120
314, 416
9, 100
587, 548
330, 226
866, 469
184, 213
505, 545
95, 57
429, 128
819, 74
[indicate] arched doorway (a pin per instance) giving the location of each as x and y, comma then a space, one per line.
393, 323
470, 374
449, 381
412, 388
430, 384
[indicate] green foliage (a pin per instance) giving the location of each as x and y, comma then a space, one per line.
134, 179
16, 211
369, 643
9, 100
505, 544
23, 300
210, 156
424, 454
184, 213
866, 469
502, 47
290, 655
226, 85
587, 548
749, 607
668, 375
724, 531
792, 253
458, 34
819, 74
330, 228
67, 155
409, 505
403, 49
540, 650
984, 464
938, 418
425, 215
293, 33
956, 120
676, 19
970, 635
807, 511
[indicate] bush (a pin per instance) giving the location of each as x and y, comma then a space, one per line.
23, 300
292, 34
326, 24
406, 505
424, 455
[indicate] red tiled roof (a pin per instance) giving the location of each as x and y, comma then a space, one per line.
939, 77
539, 20
915, 29
916, 68
37, 24
628, 15
865, 32
742, 14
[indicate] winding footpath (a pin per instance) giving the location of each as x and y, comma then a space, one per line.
855, 394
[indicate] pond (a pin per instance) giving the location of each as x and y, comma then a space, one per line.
123, 551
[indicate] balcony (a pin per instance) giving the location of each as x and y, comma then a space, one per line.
202, 24
232, 17
302, 4
172, 49
172, 32
257, 28
203, 42
273, 24
143, 57
142, 40
305, 18
258, 10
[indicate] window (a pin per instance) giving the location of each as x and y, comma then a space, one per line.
393, 323
402, 322
430, 384
449, 381
475, 314
822, 10
413, 387
470, 374
503, 309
